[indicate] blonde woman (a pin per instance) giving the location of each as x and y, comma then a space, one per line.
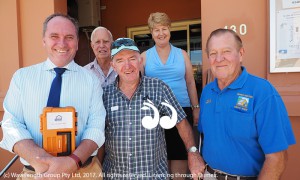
173, 66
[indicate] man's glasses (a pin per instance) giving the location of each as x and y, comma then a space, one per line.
122, 42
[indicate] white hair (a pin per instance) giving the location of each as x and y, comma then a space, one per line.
98, 28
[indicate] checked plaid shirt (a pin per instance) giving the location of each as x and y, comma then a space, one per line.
132, 151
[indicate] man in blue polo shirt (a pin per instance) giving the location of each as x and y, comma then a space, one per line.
243, 118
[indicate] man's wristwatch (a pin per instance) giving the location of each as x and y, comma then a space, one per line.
195, 106
192, 149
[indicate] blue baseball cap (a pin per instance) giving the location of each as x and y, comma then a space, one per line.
121, 44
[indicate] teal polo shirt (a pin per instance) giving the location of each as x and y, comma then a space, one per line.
242, 123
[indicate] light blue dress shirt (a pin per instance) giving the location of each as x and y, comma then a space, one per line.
28, 95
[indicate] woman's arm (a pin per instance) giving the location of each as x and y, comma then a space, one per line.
191, 87
143, 59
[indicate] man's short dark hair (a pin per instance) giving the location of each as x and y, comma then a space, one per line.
74, 21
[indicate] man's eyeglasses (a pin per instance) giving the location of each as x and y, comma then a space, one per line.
122, 42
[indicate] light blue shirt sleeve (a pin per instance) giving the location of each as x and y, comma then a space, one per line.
13, 125
96, 119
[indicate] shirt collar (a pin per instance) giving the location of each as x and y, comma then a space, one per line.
240, 81
49, 65
116, 83
95, 65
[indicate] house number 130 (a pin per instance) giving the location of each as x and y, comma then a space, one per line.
242, 29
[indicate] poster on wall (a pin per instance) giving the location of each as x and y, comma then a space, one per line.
284, 36
288, 34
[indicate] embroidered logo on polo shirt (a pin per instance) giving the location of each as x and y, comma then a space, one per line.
208, 101
242, 102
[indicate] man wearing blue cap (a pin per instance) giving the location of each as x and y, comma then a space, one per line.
138, 109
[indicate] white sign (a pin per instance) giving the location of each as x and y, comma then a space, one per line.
59, 120
288, 34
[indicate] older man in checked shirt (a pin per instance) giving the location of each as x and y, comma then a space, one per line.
132, 150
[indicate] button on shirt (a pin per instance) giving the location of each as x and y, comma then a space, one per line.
96, 69
132, 151
28, 94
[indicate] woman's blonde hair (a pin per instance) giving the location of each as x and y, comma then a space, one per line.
158, 18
